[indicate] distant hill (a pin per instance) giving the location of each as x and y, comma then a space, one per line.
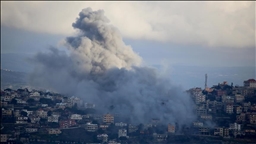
13, 79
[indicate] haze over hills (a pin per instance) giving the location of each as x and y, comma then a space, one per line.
13, 79
186, 76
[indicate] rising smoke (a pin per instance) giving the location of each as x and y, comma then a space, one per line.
101, 69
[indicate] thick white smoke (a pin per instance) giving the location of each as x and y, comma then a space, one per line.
101, 69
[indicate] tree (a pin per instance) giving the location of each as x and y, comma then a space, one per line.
123, 138
23, 113
46, 101
13, 101
49, 113
30, 101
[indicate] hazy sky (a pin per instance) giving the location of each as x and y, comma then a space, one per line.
217, 33
181, 33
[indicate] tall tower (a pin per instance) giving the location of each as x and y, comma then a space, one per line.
205, 83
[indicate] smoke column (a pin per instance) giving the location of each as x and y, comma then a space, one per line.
101, 69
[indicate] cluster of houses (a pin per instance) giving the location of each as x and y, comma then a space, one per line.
230, 109
223, 110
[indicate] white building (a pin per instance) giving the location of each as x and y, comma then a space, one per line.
22, 118
28, 112
53, 118
228, 99
199, 98
198, 124
31, 130
19, 101
239, 98
75, 100
16, 113
103, 137
89, 105
35, 94
235, 126
7, 98
54, 131
104, 127
34, 119
122, 133
121, 124
41, 113
91, 127
76, 117
206, 117
44, 105
251, 83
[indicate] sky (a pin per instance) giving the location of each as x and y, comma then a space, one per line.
166, 34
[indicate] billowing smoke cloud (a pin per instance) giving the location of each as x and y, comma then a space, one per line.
101, 69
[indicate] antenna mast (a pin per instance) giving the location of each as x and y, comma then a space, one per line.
205, 84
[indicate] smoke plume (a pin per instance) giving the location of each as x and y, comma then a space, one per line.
101, 69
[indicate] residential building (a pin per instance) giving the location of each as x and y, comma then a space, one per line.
102, 137
34, 94
239, 109
239, 98
34, 119
91, 127
221, 93
22, 118
20, 101
252, 118
76, 117
132, 128
247, 106
44, 105
31, 130
229, 108
121, 124
28, 112
67, 123
75, 100
160, 137
206, 117
98, 117
108, 118
104, 127
89, 105
218, 131
198, 124
6, 112
226, 132
4, 138
171, 128
122, 133
201, 111
199, 98
204, 130
54, 131
241, 118
16, 113
251, 83
41, 113
235, 126
53, 118
228, 99
7, 98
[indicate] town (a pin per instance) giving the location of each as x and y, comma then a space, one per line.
224, 113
